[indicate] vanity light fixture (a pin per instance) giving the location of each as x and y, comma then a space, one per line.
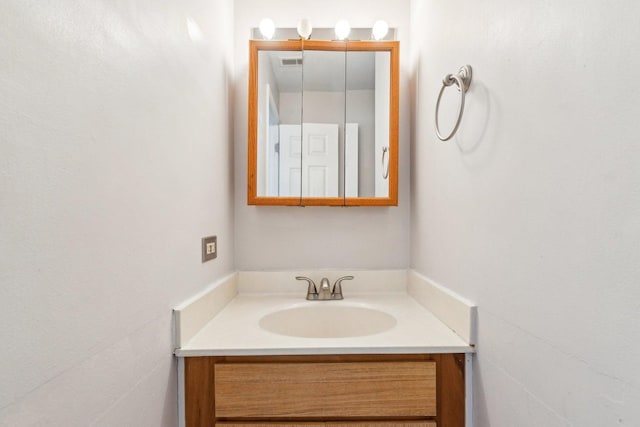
342, 29
380, 30
267, 28
304, 28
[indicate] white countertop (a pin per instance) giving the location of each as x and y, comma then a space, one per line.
235, 329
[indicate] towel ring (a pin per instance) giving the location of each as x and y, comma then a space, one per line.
462, 80
385, 171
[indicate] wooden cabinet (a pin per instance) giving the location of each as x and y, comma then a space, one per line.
325, 390
332, 391
270, 424
345, 424
385, 424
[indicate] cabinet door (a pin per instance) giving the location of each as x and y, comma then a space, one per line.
271, 425
384, 424
323, 390
336, 424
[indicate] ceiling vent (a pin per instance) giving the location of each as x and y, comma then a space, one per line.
290, 62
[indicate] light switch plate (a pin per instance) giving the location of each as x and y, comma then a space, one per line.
209, 248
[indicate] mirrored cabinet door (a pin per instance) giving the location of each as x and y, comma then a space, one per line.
323, 115
372, 83
367, 118
278, 124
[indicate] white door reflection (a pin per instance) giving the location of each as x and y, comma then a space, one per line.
309, 165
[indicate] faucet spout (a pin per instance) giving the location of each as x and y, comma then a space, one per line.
325, 289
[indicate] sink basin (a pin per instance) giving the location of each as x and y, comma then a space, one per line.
327, 321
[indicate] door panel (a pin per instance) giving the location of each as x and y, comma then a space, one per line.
290, 161
320, 160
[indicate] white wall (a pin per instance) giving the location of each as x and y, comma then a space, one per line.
115, 159
319, 237
361, 110
533, 210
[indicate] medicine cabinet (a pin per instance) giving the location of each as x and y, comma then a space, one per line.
323, 123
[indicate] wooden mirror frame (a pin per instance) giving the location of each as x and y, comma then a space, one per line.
255, 46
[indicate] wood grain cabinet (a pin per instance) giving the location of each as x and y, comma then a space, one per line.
331, 391
343, 424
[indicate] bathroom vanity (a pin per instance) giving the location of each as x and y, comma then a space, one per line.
239, 365
363, 389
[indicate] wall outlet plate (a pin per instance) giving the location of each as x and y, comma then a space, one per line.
209, 248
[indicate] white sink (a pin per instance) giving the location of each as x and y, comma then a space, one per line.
327, 321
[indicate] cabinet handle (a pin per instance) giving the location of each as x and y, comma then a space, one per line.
385, 170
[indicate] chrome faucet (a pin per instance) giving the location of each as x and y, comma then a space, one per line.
325, 293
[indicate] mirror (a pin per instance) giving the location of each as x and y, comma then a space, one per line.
323, 123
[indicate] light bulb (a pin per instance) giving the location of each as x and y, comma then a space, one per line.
267, 28
380, 29
342, 29
304, 28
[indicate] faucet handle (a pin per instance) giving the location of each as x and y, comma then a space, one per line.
312, 291
337, 287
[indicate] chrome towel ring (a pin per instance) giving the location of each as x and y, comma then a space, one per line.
462, 81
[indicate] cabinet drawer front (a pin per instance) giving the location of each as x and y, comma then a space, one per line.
369, 389
385, 424
272, 425
353, 424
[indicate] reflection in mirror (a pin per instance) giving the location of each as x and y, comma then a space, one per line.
301, 124
323, 115
323, 123
279, 123
367, 116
